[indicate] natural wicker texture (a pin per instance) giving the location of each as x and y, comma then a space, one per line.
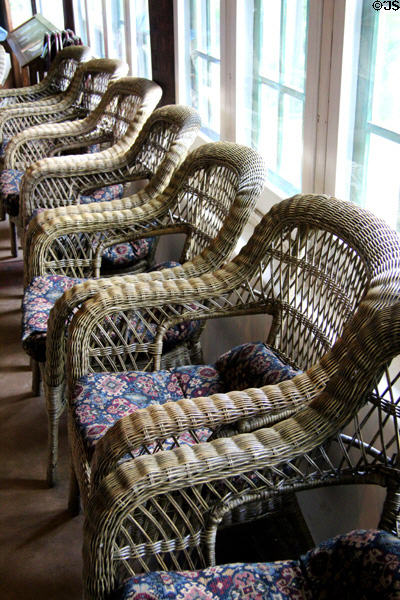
83, 95
158, 150
310, 264
210, 198
117, 119
88, 84
121, 112
57, 80
329, 273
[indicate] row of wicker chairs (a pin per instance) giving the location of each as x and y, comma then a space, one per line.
167, 450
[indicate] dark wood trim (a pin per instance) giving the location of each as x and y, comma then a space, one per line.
69, 20
161, 17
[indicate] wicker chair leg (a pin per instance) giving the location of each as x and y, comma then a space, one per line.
13, 239
52, 448
74, 496
390, 516
2, 211
36, 377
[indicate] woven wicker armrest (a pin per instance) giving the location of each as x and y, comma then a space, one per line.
146, 431
120, 220
56, 81
48, 138
119, 116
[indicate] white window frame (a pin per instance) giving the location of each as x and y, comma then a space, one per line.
323, 87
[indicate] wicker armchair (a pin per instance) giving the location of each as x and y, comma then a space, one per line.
328, 273
57, 80
360, 564
115, 122
85, 91
227, 176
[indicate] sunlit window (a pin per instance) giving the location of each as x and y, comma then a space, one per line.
202, 62
278, 88
20, 11
116, 29
375, 181
52, 10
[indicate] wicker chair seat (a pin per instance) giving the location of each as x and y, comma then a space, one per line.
126, 255
99, 400
41, 295
359, 564
10, 185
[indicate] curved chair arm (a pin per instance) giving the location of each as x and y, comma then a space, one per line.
56, 81
147, 430
160, 147
78, 100
199, 484
191, 204
247, 285
121, 112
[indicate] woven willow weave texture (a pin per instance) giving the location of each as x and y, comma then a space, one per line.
328, 273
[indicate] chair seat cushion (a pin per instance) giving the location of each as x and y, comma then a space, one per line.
40, 296
10, 184
100, 399
253, 365
128, 254
104, 194
362, 564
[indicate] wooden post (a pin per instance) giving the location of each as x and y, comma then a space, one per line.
161, 17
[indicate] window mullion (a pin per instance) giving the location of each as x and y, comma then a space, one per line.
106, 8
228, 69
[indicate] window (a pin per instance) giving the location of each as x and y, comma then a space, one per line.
52, 10
116, 29
311, 84
202, 62
373, 138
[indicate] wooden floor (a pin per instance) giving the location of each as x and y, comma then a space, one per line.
40, 544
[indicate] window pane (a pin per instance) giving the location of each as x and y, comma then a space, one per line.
21, 11
202, 61
141, 63
369, 149
116, 30
274, 97
382, 181
53, 11
80, 20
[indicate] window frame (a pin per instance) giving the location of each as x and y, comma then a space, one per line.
322, 89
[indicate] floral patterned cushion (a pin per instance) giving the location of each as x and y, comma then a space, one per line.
360, 565
126, 255
3, 146
253, 365
39, 298
101, 399
199, 380
10, 184
99, 405
104, 194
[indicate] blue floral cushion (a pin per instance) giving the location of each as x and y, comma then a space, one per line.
199, 380
10, 184
3, 146
101, 399
104, 194
253, 365
39, 298
361, 565
127, 254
